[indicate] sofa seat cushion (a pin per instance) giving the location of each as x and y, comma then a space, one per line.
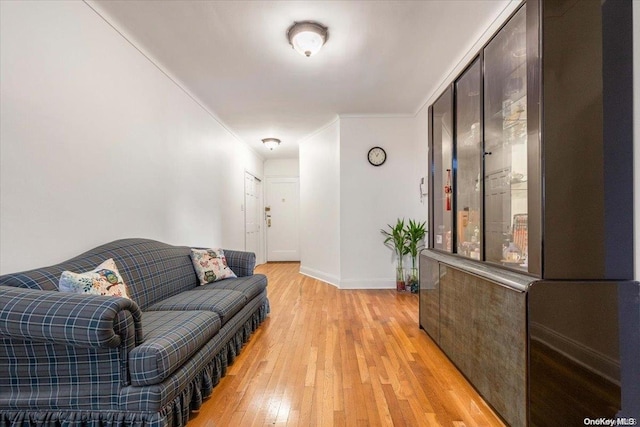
250, 286
171, 338
224, 302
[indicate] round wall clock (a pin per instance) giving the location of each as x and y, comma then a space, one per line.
377, 156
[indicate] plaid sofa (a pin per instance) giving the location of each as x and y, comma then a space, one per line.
88, 360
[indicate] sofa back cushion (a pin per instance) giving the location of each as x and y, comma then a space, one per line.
152, 270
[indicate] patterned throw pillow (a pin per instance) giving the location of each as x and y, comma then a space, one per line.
104, 280
211, 265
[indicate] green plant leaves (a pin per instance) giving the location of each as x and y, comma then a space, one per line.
415, 232
405, 239
395, 239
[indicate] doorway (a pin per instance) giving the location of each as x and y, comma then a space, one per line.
253, 216
282, 206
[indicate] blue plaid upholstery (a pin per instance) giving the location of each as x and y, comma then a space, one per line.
152, 270
88, 360
223, 302
54, 342
61, 318
171, 338
44, 376
250, 286
205, 368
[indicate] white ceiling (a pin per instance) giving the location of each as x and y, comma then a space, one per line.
381, 57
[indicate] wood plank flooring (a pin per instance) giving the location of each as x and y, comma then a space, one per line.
329, 357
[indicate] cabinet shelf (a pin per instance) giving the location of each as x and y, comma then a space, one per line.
512, 110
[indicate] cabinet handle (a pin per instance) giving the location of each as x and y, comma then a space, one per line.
487, 153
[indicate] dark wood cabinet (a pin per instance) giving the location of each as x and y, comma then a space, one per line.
481, 325
533, 143
541, 352
483, 331
527, 282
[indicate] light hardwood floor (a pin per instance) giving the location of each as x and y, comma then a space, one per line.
337, 357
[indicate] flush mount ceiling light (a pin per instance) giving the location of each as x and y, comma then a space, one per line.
271, 143
307, 37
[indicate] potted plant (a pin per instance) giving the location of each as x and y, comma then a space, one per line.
414, 235
396, 239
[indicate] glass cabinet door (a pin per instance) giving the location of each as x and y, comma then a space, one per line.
468, 185
505, 157
442, 170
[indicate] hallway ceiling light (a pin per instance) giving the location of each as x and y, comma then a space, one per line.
271, 143
307, 37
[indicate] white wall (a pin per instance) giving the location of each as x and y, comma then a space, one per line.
282, 168
97, 144
344, 201
372, 197
320, 205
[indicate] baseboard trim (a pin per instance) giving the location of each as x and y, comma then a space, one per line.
320, 275
375, 283
588, 358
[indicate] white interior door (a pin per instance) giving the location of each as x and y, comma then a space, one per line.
282, 206
252, 215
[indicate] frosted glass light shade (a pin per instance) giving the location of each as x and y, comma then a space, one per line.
307, 37
271, 143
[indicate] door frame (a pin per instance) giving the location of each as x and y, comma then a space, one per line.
259, 191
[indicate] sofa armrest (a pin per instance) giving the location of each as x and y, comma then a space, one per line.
242, 263
80, 320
